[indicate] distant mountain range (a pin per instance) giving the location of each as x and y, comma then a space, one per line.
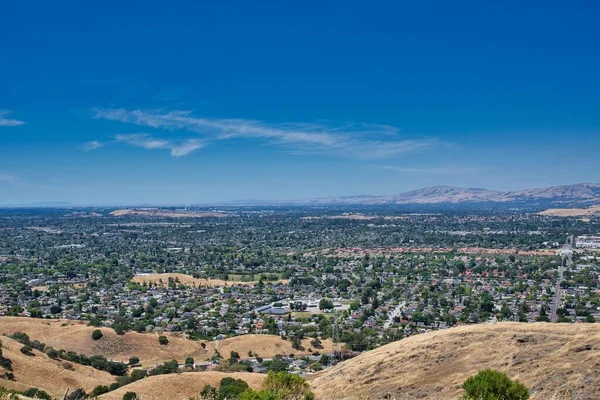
577, 195
581, 194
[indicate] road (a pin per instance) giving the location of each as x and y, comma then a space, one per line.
567, 260
395, 312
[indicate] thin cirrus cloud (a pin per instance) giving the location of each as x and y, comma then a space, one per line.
4, 121
145, 141
361, 141
449, 170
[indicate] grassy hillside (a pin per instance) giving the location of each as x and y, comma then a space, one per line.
77, 336
555, 361
180, 386
50, 375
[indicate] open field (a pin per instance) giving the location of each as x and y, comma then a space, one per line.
188, 280
180, 386
572, 212
555, 361
45, 373
266, 346
166, 213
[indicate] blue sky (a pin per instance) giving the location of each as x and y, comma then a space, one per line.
192, 102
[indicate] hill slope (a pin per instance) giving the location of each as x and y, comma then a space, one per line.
555, 361
42, 372
77, 336
180, 386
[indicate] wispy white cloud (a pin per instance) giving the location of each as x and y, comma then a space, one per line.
363, 141
146, 141
448, 170
186, 147
9, 121
142, 140
93, 145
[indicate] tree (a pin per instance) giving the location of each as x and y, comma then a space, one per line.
36, 393
97, 334
98, 390
131, 396
276, 365
27, 350
230, 388
325, 304
77, 394
280, 386
163, 340
5, 362
489, 384
189, 361
134, 360
590, 318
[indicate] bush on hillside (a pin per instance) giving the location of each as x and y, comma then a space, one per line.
27, 350
489, 384
97, 334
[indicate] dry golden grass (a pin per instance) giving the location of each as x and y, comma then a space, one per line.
42, 372
166, 213
572, 212
266, 346
180, 386
188, 280
77, 336
551, 359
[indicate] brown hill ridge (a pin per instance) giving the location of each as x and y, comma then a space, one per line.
555, 361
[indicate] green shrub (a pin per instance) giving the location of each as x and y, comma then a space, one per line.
37, 394
489, 384
97, 334
280, 386
98, 390
163, 340
27, 350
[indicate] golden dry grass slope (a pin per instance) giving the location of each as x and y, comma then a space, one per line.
555, 361
180, 386
77, 336
187, 280
572, 212
45, 373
